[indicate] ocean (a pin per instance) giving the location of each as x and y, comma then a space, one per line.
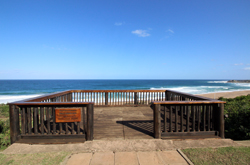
14, 90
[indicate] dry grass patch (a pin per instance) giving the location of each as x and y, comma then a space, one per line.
225, 155
38, 158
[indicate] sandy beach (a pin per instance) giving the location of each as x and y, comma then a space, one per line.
226, 94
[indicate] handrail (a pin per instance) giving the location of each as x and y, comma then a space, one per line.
43, 97
189, 95
189, 102
49, 103
123, 90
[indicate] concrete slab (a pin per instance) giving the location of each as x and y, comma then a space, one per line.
243, 143
149, 158
120, 146
171, 157
145, 145
80, 159
99, 158
125, 158
114, 146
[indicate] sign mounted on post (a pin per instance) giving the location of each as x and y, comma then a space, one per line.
64, 115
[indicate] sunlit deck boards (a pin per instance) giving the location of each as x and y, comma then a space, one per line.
123, 123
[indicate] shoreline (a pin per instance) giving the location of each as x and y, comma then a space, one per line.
228, 94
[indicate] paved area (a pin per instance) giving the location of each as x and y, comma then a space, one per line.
132, 151
127, 158
132, 145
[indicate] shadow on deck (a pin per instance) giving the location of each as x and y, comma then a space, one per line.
112, 123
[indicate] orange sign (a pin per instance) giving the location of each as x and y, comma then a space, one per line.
68, 115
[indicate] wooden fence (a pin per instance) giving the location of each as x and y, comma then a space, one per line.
35, 122
176, 114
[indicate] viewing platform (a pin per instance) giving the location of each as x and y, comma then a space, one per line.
77, 115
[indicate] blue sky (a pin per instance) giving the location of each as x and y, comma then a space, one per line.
182, 39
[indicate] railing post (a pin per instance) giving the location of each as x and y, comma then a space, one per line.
167, 96
14, 123
157, 121
106, 98
135, 98
90, 122
219, 119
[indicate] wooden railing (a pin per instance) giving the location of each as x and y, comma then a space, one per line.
185, 119
34, 122
176, 114
118, 97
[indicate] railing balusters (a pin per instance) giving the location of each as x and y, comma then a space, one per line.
176, 119
29, 120
66, 128
23, 120
35, 121
54, 120
182, 130
72, 128
78, 127
42, 119
204, 117
187, 120
208, 117
165, 118
199, 117
170, 119
193, 118
48, 119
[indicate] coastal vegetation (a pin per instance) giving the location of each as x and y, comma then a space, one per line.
4, 126
237, 125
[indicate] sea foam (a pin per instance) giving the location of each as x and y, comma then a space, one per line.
11, 98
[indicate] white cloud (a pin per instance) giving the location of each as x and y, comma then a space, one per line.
247, 68
171, 31
141, 33
239, 64
119, 23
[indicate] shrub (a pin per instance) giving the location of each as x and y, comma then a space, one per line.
4, 110
237, 125
4, 133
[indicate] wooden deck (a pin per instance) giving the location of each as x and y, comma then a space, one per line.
112, 123
117, 114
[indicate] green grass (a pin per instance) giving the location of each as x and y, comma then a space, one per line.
38, 158
225, 155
